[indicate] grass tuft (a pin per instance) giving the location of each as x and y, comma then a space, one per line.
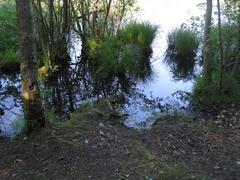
125, 54
182, 42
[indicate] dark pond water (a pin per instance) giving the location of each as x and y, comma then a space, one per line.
10, 103
144, 101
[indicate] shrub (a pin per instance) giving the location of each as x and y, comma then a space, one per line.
230, 48
210, 96
104, 56
8, 32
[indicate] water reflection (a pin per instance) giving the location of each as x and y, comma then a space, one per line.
181, 67
77, 84
143, 101
11, 120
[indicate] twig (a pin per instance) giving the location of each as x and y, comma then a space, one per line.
65, 141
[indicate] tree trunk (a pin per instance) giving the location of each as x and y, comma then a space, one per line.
33, 111
222, 63
106, 17
65, 27
237, 59
207, 64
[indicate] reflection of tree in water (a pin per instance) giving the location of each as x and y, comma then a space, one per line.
182, 67
10, 88
76, 84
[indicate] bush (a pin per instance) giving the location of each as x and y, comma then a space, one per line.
182, 42
104, 55
230, 47
8, 33
210, 96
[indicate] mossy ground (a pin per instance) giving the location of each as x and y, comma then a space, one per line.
90, 146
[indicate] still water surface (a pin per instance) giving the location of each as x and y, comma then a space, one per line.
143, 107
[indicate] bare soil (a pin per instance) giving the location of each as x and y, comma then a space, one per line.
94, 145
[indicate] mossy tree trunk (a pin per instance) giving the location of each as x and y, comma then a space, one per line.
207, 64
33, 111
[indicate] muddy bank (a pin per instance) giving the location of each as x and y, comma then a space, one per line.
94, 145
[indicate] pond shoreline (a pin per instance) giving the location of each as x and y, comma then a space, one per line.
93, 145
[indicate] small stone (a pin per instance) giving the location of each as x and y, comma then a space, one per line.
238, 163
224, 111
19, 162
77, 133
101, 133
101, 125
218, 122
86, 141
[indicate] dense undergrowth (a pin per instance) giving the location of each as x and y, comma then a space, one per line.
8, 32
210, 96
224, 88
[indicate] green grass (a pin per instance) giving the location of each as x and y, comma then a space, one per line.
142, 34
183, 42
181, 53
126, 53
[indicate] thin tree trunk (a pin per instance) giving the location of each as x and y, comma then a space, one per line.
65, 17
65, 29
51, 26
33, 111
206, 44
220, 48
237, 60
106, 17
